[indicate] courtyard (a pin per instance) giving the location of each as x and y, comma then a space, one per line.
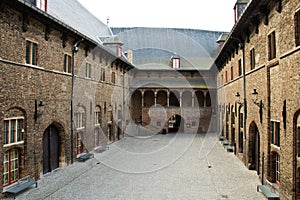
171, 166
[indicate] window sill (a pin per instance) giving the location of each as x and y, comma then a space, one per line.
13, 144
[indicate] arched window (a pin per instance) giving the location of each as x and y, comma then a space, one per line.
174, 98
149, 98
200, 98
161, 98
11, 166
98, 116
80, 118
208, 100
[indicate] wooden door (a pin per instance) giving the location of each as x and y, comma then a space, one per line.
50, 149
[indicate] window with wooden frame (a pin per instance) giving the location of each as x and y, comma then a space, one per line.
67, 63
231, 73
88, 70
252, 58
240, 67
297, 28
13, 130
272, 45
113, 77
10, 167
31, 53
102, 74
275, 133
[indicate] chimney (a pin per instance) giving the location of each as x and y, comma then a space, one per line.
41, 4
129, 55
239, 8
221, 40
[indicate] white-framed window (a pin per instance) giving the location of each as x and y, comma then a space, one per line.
42, 4
102, 74
79, 118
13, 130
97, 115
175, 63
67, 63
88, 70
10, 167
275, 133
31, 52
277, 167
79, 145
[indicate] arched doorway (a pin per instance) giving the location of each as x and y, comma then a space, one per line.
254, 148
296, 170
51, 151
176, 124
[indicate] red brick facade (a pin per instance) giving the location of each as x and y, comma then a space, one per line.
274, 72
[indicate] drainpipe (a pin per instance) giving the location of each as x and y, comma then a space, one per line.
74, 50
245, 103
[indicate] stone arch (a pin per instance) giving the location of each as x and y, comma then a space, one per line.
187, 99
254, 148
200, 98
136, 106
54, 145
176, 124
149, 98
161, 98
208, 99
240, 116
296, 152
174, 98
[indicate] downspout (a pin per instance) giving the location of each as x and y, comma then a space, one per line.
245, 103
74, 50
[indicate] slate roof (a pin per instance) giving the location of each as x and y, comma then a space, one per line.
71, 12
153, 48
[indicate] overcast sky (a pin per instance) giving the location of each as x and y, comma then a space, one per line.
202, 14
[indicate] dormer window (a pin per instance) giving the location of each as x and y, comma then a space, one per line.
119, 50
176, 63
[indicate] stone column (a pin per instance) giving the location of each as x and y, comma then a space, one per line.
193, 99
180, 99
155, 96
143, 92
168, 98
204, 100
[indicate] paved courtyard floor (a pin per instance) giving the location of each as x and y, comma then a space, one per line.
178, 166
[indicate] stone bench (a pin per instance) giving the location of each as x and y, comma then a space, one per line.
21, 185
84, 156
267, 191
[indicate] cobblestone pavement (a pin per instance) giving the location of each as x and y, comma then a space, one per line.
182, 166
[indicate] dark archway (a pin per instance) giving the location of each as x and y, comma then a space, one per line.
296, 150
254, 148
51, 150
161, 98
149, 99
176, 124
174, 99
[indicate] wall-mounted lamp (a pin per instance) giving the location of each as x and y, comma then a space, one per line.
238, 98
38, 112
258, 103
255, 99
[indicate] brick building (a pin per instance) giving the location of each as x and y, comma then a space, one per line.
42, 96
259, 89
173, 85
